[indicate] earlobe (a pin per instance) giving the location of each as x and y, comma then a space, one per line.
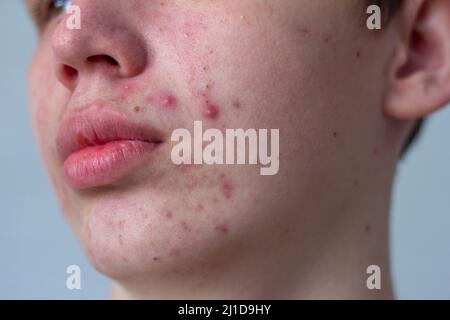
420, 83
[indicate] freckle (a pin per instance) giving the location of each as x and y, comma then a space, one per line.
327, 39
137, 109
368, 228
161, 29
124, 259
334, 134
210, 111
155, 258
358, 54
223, 228
356, 183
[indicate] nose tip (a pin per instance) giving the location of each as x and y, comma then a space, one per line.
106, 45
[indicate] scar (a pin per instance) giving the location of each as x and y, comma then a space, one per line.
210, 111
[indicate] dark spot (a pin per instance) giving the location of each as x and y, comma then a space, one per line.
327, 39
334, 134
137, 109
358, 54
368, 228
356, 183
155, 258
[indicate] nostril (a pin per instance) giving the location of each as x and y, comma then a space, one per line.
103, 58
68, 72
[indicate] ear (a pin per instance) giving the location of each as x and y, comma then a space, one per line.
420, 81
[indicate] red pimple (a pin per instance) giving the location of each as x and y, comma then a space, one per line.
210, 111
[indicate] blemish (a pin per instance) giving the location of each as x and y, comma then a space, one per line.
174, 253
137, 109
156, 258
368, 228
222, 228
237, 104
305, 31
356, 183
210, 110
358, 54
200, 207
335, 134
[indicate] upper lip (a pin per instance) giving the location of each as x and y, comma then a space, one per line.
98, 125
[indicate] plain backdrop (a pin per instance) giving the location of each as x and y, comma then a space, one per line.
36, 245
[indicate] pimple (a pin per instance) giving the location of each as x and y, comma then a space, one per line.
222, 228
210, 111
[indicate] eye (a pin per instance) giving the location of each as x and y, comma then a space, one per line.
56, 7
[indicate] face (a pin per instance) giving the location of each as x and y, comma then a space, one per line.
105, 99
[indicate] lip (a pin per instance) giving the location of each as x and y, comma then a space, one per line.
100, 146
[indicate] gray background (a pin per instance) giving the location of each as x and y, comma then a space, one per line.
36, 245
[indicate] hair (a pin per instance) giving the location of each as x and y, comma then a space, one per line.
392, 7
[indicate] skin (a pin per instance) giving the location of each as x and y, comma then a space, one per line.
343, 97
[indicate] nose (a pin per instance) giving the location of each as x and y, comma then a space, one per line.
105, 43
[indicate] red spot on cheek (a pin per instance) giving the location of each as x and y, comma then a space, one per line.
210, 111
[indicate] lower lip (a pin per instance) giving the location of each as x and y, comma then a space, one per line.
103, 165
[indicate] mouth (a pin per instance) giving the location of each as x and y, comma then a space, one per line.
99, 146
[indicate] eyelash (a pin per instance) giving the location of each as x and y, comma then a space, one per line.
46, 11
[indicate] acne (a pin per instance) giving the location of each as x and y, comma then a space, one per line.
237, 104
226, 186
210, 111
167, 101
222, 228
168, 214
185, 226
